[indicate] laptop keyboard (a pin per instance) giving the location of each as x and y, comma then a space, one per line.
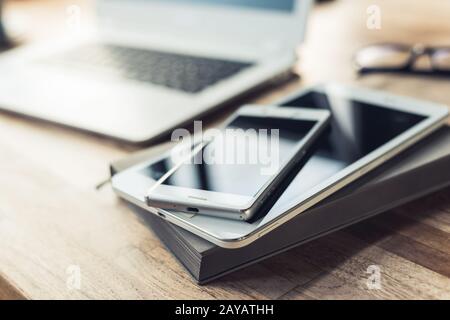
190, 74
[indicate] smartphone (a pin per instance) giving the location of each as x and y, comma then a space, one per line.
230, 173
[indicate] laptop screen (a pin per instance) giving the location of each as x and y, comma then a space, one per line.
280, 5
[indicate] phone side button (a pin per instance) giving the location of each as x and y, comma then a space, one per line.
364, 170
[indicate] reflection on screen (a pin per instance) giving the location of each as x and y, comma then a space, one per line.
280, 5
233, 175
356, 130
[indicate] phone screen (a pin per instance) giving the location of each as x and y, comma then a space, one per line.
240, 160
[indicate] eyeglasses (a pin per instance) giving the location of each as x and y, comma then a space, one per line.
392, 57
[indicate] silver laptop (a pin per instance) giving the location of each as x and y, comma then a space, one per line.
153, 65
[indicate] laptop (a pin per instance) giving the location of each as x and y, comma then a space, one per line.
153, 65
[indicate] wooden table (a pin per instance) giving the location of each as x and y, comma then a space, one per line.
53, 223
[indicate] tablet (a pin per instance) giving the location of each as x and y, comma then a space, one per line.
367, 128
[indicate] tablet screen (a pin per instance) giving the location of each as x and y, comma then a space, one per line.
356, 129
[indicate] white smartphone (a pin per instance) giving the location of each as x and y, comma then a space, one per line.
233, 171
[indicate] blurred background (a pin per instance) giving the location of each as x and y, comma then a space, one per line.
337, 29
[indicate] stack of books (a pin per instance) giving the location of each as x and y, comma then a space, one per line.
420, 170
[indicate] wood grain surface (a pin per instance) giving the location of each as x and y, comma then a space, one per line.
52, 219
